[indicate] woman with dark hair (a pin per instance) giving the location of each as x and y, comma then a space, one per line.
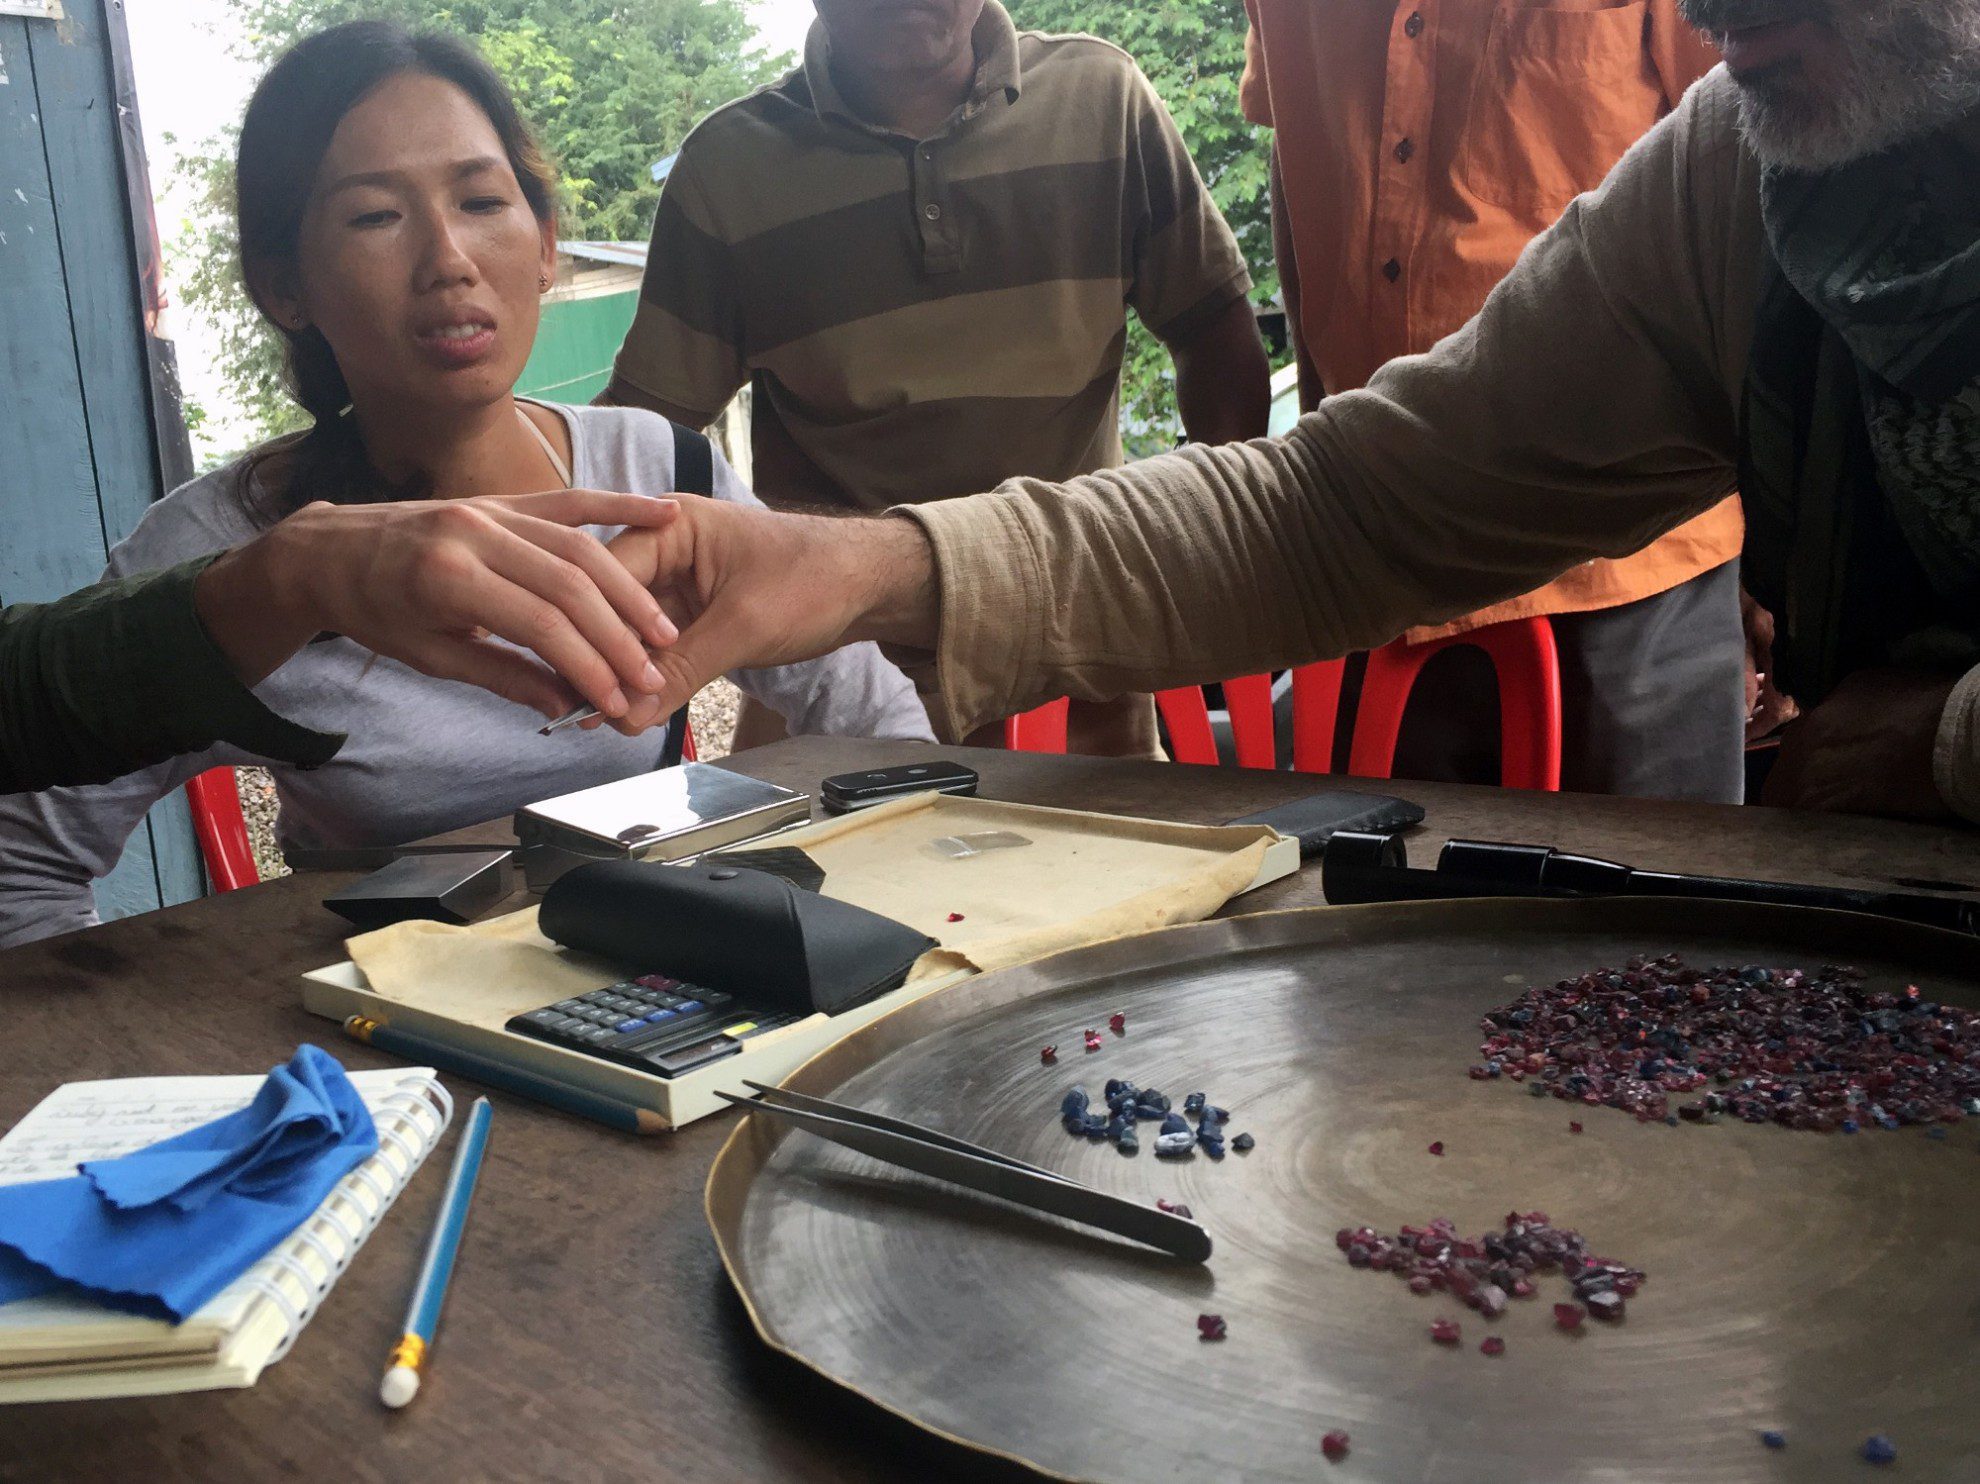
397, 226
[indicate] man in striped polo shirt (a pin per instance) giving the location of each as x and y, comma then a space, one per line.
919, 248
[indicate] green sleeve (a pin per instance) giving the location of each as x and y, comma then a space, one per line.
123, 675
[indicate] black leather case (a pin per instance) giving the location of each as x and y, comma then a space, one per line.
757, 936
1313, 819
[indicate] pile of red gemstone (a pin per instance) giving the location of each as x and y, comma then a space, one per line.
1805, 1050
1483, 1273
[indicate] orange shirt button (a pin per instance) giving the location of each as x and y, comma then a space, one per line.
1392, 270
1413, 27
1406, 150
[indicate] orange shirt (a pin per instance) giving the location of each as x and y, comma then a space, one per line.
1421, 145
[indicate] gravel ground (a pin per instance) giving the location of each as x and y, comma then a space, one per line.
712, 715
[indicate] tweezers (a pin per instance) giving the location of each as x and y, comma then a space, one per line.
568, 719
927, 1152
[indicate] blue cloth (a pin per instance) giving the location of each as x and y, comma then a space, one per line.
163, 1229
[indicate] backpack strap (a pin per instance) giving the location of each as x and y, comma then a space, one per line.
694, 474
694, 462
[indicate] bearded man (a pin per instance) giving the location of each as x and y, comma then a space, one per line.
1779, 285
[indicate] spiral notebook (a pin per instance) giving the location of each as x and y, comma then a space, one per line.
58, 1348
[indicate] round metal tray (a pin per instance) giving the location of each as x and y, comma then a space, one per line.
1821, 1285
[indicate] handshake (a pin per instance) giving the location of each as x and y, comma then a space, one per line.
513, 595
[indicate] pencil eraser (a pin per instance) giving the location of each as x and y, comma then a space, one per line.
401, 1385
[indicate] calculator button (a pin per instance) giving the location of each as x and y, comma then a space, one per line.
659, 1015
714, 996
627, 1027
596, 1033
568, 1006
688, 1007
657, 981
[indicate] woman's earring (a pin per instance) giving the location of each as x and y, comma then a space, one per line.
543, 283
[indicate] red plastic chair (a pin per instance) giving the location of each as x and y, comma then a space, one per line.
1529, 670
222, 830
1316, 698
1043, 730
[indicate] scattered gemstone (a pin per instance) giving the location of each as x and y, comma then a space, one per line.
1879, 1449
1574, 1128
1093, 1040
1048, 1055
1117, 1022
1175, 1145
1774, 1439
1174, 1209
1438, 1147
1445, 1331
955, 917
1604, 1305
1243, 1143
1492, 1345
1211, 1327
1569, 1316
1335, 1445
1195, 1101
1818, 1049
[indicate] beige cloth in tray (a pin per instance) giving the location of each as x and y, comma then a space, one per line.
1084, 878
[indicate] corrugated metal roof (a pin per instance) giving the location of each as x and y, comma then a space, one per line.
626, 254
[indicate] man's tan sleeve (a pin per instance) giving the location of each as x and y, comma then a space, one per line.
1187, 266
1590, 407
686, 344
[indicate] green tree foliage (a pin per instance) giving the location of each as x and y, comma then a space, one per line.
609, 85
1193, 52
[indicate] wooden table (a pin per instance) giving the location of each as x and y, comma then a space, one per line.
590, 1332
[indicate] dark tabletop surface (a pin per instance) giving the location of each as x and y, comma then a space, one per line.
590, 1332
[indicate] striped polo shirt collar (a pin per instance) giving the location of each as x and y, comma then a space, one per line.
998, 69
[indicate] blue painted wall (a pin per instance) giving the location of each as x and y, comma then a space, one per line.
79, 458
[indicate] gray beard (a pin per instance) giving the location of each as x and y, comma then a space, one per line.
1914, 68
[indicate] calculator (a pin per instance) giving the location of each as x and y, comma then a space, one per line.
651, 1024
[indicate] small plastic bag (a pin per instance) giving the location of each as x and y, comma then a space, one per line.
961, 847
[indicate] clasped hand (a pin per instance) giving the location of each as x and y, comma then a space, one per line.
687, 591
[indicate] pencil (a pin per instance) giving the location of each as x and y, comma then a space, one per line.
402, 1367
533, 1085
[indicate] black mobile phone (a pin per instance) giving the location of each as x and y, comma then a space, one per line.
849, 791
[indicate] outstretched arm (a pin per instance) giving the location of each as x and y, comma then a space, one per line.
1591, 406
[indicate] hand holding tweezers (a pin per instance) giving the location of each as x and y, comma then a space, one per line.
928, 1152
